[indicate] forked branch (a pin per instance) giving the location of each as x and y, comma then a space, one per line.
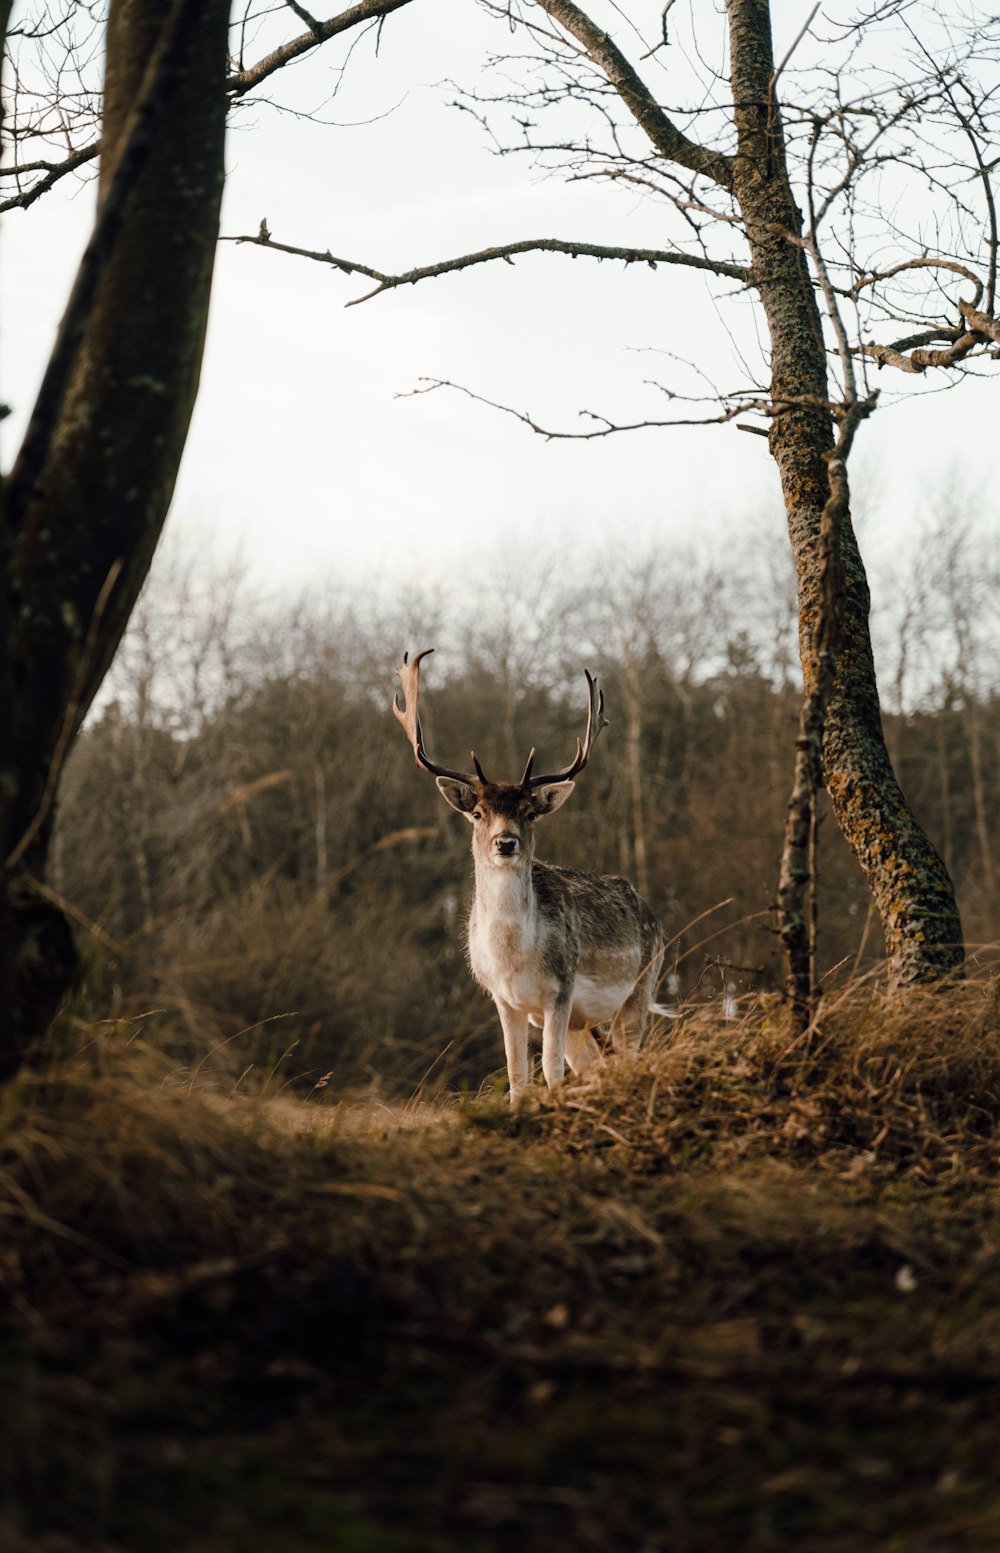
917, 352
244, 81
663, 133
505, 251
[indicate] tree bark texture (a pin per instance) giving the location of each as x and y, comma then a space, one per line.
90, 491
911, 887
797, 877
7, 784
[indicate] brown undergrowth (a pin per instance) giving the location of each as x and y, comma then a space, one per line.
739, 1294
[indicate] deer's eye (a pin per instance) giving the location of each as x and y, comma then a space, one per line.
477, 814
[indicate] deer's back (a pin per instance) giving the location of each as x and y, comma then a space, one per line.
603, 910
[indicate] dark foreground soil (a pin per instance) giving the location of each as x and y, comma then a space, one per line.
742, 1295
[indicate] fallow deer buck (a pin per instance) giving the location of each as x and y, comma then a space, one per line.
555, 948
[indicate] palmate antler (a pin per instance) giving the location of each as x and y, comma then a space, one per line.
409, 674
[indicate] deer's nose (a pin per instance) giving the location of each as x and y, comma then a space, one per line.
505, 845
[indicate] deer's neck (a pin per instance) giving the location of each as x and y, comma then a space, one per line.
504, 894
503, 930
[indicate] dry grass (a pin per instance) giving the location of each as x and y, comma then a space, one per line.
740, 1294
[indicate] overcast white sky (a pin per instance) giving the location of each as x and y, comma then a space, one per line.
301, 453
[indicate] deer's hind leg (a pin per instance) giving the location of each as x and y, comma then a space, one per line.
581, 1049
629, 1024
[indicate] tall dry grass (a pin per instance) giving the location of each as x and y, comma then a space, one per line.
741, 1292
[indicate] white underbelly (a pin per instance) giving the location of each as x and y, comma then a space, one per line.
595, 1002
504, 960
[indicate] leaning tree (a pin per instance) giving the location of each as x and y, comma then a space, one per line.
83, 505
846, 190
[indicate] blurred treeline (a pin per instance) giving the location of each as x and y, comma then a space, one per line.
265, 868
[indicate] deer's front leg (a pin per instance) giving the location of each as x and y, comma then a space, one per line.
554, 1042
515, 1041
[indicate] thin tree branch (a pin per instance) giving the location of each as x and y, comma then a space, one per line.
877, 276
607, 428
668, 140
264, 239
650, 256
243, 81
53, 172
913, 354
303, 15
789, 52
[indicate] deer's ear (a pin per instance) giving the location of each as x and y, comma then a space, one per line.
551, 797
459, 794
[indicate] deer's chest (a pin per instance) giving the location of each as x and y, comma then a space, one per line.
506, 956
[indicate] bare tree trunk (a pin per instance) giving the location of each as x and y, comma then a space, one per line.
8, 770
972, 717
944, 784
633, 757
908, 880
797, 879
322, 851
911, 887
92, 484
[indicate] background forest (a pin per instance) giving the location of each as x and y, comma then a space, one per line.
743, 1291
267, 872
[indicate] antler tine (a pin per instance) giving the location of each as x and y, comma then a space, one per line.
596, 720
409, 674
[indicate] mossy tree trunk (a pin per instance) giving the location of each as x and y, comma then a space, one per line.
909, 882
89, 492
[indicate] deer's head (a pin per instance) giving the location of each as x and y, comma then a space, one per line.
502, 814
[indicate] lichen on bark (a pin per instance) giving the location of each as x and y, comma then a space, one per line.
910, 884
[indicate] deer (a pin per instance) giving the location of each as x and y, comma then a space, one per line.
556, 948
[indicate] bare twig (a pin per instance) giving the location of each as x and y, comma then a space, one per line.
877, 276
53, 172
623, 255
638, 99
790, 51
607, 428
664, 33
304, 16
243, 81
263, 239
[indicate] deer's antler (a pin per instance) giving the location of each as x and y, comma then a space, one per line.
596, 720
409, 674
